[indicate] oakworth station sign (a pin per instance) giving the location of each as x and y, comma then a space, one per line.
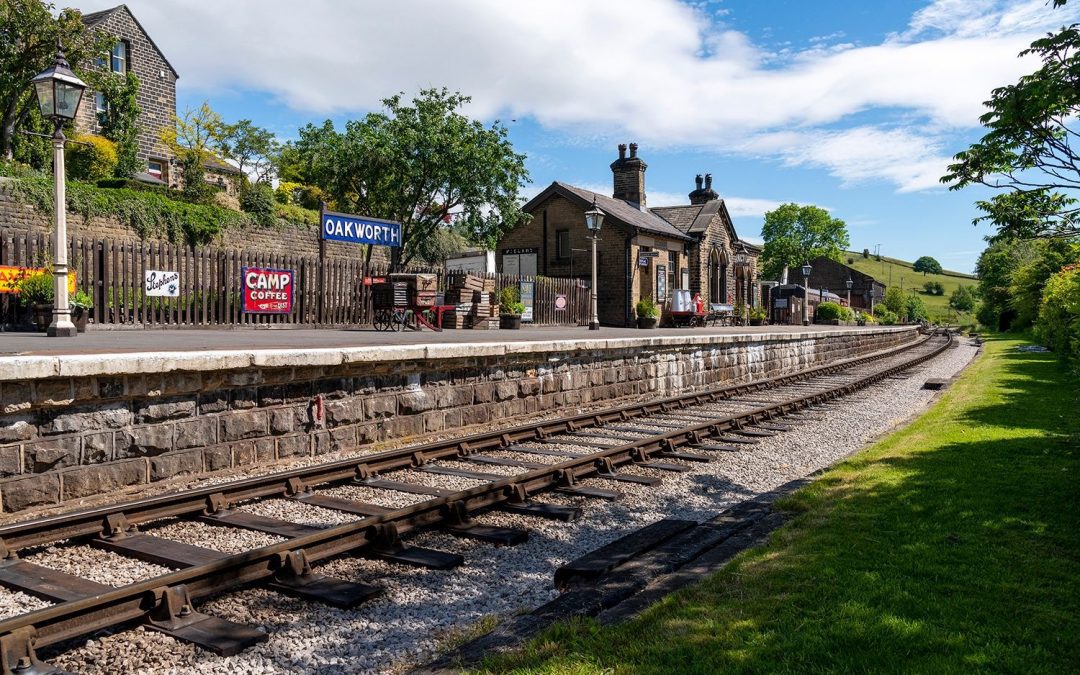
360, 229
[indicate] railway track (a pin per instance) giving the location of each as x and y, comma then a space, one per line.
585, 455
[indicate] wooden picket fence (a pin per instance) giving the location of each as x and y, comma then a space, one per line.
329, 292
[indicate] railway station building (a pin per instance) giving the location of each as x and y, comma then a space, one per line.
643, 252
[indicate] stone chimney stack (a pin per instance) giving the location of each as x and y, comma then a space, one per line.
629, 176
703, 194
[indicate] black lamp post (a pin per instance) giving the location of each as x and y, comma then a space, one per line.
59, 92
849, 283
806, 269
594, 219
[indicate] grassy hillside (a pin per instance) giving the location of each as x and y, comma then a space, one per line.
893, 272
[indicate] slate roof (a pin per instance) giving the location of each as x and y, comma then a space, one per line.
93, 18
618, 209
682, 217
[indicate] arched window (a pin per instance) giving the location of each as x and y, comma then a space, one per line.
718, 286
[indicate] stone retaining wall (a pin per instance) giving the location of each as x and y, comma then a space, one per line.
76, 426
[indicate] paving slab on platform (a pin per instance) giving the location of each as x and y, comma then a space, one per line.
248, 339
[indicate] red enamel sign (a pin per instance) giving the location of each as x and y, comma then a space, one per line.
267, 291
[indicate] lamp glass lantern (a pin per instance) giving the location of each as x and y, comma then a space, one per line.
594, 219
849, 283
59, 90
806, 269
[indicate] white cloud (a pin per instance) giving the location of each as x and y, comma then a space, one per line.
659, 71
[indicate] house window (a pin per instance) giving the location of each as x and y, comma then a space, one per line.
562, 244
101, 107
156, 168
118, 57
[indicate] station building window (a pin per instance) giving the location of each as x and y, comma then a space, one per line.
562, 244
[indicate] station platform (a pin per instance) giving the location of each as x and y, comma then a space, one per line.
248, 339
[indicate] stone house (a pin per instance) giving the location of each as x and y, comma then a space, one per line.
642, 252
136, 52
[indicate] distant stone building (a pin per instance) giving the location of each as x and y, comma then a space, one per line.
642, 253
832, 276
136, 52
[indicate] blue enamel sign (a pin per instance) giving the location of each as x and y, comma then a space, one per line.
360, 230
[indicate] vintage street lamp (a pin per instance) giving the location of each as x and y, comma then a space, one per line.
870, 296
59, 92
594, 218
849, 283
742, 261
806, 269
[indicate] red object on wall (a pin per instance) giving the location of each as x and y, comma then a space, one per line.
267, 291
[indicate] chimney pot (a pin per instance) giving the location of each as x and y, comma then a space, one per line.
633, 150
708, 181
697, 181
622, 150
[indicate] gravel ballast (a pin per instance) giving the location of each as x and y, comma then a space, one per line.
421, 610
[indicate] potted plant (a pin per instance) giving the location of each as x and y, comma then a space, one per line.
758, 316
81, 304
510, 308
36, 294
738, 312
648, 313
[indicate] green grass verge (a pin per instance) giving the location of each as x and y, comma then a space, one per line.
951, 545
893, 272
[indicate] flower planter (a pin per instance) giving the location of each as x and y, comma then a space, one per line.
509, 321
42, 313
79, 316
647, 321
757, 322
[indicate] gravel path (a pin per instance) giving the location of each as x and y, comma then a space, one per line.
420, 609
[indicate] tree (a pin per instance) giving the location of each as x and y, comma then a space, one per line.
895, 301
962, 299
193, 139
994, 269
1029, 153
28, 37
1028, 279
120, 122
927, 265
795, 234
425, 165
915, 309
252, 148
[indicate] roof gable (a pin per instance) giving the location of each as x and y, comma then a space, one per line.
695, 219
617, 209
94, 19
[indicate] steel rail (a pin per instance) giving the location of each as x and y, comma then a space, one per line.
76, 618
94, 521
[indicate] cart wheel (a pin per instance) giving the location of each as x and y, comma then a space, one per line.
382, 319
397, 322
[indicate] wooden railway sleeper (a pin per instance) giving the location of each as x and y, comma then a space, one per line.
172, 612
18, 657
295, 577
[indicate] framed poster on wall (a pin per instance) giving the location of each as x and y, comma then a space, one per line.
661, 283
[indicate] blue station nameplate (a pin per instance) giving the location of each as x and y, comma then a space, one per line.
360, 229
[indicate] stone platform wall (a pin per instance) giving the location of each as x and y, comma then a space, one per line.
76, 426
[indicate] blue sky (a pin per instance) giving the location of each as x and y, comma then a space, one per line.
855, 106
